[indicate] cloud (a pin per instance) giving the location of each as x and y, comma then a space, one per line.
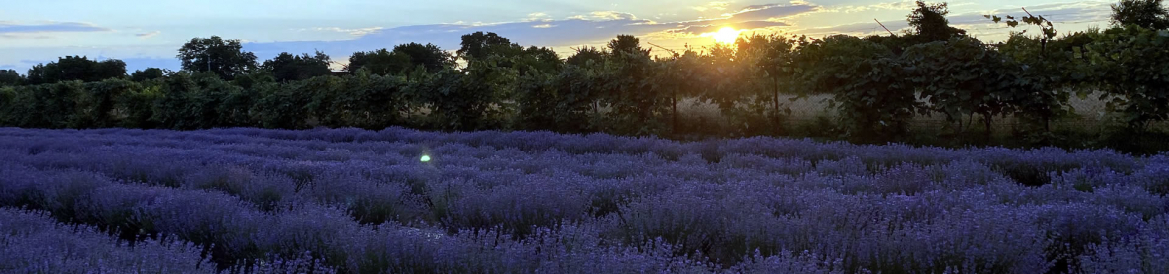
353, 32
906, 5
537, 16
856, 29
12, 27
976, 24
148, 34
700, 29
712, 6
750, 17
24, 36
605, 16
771, 11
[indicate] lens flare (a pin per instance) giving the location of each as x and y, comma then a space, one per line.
425, 158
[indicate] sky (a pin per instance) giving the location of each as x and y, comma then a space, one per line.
148, 33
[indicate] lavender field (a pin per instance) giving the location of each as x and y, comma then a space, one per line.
356, 201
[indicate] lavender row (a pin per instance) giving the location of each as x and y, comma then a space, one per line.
1030, 167
234, 230
33, 242
1054, 159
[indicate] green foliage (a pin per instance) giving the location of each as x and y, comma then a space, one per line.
224, 58
471, 100
930, 24
1042, 68
1037, 82
870, 91
539, 59
380, 61
766, 63
96, 103
960, 78
287, 67
374, 102
285, 106
71, 68
1149, 14
429, 56
586, 56
192, 101
638, 102
44, 106
148, 74
136, 107
480, 45
564, 102
7, 102
1133, 67
11, 78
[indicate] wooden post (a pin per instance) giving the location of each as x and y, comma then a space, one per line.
883, 26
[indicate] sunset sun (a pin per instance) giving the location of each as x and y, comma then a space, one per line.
726, 35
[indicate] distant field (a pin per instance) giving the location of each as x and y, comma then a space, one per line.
405, 201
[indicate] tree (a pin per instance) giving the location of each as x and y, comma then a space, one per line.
287, 67
870, 91
72, 68
225, 58
10, 78
429, 56
502, 53
1133, 62
1148, 14
382, 62
479, 45
770, 57
637, 101
930, 24
148, 74
627, 46
961, 78
540, 59
586, 54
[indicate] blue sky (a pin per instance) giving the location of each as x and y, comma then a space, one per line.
148, 33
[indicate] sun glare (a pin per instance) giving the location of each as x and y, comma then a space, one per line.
726, 35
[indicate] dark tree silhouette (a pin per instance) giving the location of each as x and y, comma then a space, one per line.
287, 67
627, 46
1150, 14
148, 74
542, 59
10, 78
930, 24
584, 55
225, 58
380, 61
72, 68
428, 56
479, 45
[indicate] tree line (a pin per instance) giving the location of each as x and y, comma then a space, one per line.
877, 83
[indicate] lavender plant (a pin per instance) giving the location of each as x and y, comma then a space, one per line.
358, 201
